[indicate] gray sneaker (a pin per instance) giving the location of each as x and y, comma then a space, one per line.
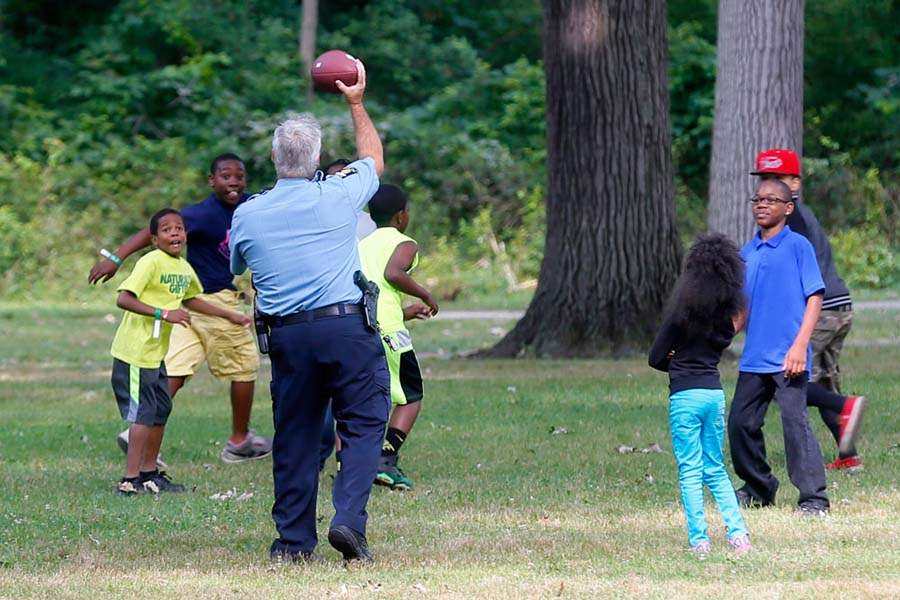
122, 441
252, 448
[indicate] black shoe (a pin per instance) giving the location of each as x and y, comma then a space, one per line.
349, 543
129, 487
159, 481
747, 500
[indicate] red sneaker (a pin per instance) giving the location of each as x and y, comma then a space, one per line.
851, 464
851, 419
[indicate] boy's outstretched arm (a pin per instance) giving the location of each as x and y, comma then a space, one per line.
416, 311
395, 273
103, 270
207, 308
795, 359
128, 301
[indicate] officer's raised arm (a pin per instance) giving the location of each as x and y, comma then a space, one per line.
368, 144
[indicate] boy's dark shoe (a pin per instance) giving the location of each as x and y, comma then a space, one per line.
747, 500
159, 482
129, 487
351, 544
390, 475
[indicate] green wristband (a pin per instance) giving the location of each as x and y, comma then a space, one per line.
157, 313
110, 256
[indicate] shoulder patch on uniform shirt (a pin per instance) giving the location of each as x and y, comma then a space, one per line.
261, 192
346, 172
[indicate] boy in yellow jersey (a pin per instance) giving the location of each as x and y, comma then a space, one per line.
152, 296
387, 257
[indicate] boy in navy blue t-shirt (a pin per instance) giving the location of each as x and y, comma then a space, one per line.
784, 296
228, 350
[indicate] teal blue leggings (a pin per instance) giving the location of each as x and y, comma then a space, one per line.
697, 421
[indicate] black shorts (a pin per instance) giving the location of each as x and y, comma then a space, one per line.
142, 394
410, 377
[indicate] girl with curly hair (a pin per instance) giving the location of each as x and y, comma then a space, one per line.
704, 313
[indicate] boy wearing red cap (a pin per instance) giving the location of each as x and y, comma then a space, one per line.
841, 414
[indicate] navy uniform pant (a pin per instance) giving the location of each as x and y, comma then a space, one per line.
337, 358
752, 396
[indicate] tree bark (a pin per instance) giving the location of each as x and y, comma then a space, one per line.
759, 102
611, 251
307, 42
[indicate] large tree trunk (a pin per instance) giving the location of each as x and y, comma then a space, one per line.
759, 101
611, 251
309, 22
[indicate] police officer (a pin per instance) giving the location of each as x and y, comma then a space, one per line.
299, 241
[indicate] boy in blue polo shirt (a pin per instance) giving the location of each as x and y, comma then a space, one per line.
784, 297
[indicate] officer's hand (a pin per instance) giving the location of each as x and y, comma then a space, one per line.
180, 316
416, 311
240, 319
354, 93
429, 300
102, 271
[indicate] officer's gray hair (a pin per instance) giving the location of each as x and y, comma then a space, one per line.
296, 146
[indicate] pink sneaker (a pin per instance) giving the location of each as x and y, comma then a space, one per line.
741, 544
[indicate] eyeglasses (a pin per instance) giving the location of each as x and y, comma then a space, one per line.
767, 201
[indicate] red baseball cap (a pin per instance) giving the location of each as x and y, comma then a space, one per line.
780, 161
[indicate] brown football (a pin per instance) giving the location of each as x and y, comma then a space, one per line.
330, 67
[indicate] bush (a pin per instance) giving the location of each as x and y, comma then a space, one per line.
865, 259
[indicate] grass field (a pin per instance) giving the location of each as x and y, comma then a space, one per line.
520, 489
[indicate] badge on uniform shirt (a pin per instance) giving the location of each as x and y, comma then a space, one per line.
346, 172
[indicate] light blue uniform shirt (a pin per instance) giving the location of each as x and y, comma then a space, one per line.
782, 273
299, 240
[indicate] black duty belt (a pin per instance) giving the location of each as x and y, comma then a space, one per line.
305, 316
841, 308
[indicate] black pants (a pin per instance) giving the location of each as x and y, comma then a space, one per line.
830, 405
752, 396
337, 358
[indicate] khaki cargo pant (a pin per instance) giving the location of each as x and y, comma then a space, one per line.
827, 341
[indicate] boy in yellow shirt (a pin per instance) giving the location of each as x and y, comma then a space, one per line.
387, 257
152, 296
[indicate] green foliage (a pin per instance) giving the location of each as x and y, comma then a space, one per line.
692, 77
851, 50
407, 60
111, 110
865, 258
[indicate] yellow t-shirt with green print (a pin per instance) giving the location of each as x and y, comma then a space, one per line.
161, 281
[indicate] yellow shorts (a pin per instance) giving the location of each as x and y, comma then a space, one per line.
228, 349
